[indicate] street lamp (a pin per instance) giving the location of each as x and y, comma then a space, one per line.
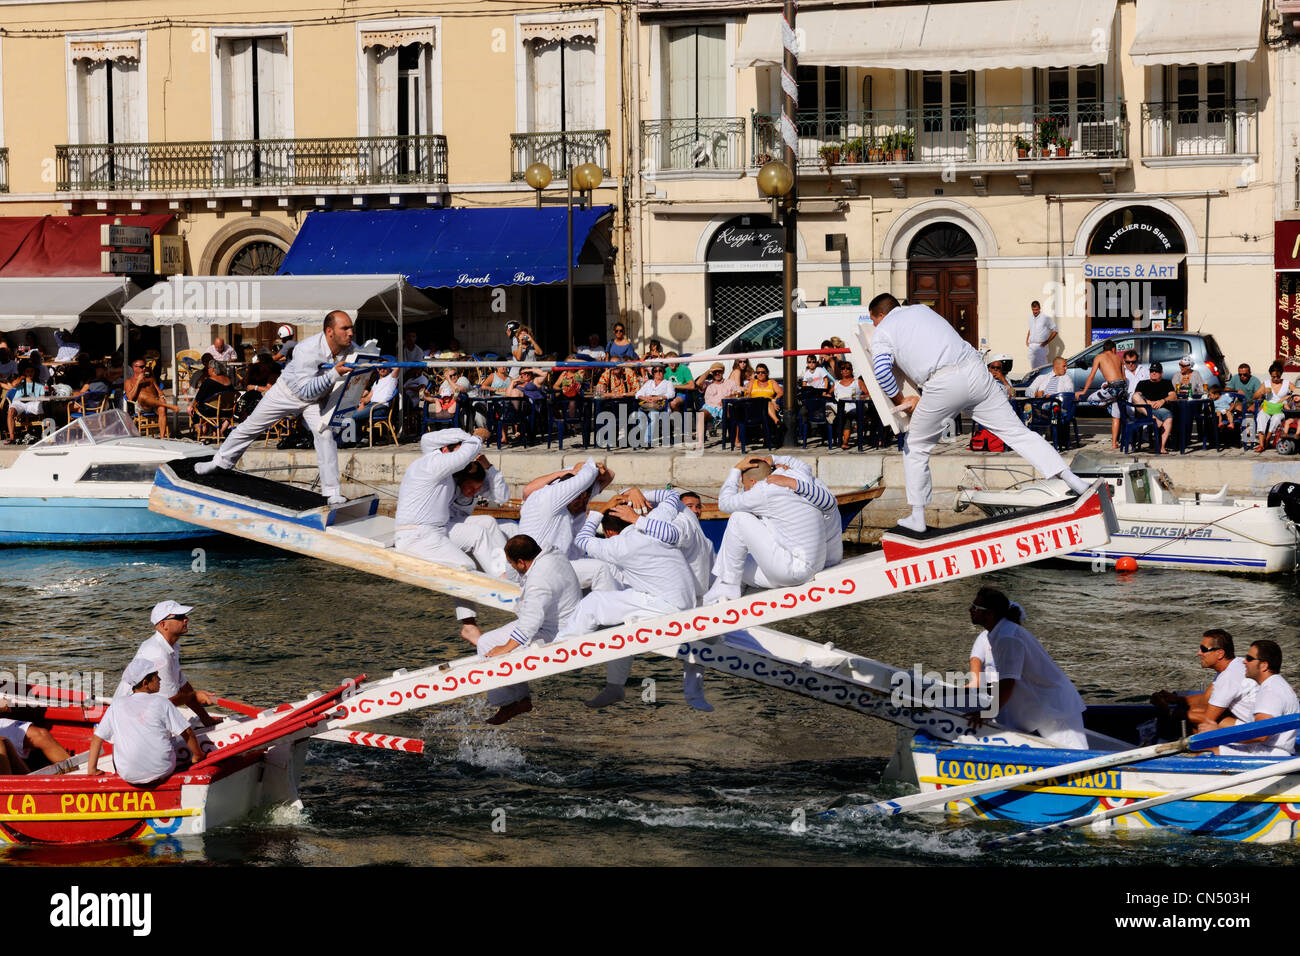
776, 180
584, 178
538, 175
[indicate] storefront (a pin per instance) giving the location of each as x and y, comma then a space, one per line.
1136, 273
1286, 266
744, 261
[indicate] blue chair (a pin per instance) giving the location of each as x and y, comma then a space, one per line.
811, 414
571, 415
1063, 420
1133, 426
739, 415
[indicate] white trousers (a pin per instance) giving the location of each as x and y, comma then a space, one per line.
967, 385
607, 608
478, 535
1264, 422
276, 404
433, 544
500, 696
1037, 356
1064, 732
752, 554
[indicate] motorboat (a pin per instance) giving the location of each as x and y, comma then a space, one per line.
88, 484
1161, 527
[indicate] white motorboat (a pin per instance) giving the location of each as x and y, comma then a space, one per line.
1158, 527
88, 484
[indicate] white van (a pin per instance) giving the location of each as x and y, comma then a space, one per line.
813, 326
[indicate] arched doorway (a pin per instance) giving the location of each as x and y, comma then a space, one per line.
251, 246
1137, 271
942, 274
744, 261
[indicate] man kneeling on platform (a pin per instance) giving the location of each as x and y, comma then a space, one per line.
1034, 695
550, 598
141, 729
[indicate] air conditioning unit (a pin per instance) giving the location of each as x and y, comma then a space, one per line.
1098, 139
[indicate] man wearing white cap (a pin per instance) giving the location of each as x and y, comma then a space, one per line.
303, 390
141, 727
287, 344
424, 521
170, 621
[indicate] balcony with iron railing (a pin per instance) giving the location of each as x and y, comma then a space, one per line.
693, 144
4, 169
235, 164
980, 136
1199, 130
559, 150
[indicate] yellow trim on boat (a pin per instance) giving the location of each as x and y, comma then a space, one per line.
1126, 794
119, 815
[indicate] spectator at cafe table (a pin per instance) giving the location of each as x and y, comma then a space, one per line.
216, 381
847, 387
1247, 384
142, 388
655, 350
8, 367
498, 383
594, 350
619, 381
762, 386
26, 399
1273, 698
1272, 396
411, 351
69, 348
1188, 382
1155, 393
832, 362
220, 351
996, 363
1225, 407
569, 386
683, 381
741, 374
523, 347
716, 390
378, 396
262, 373
815, 376
1051, 383
620, 348
93, 392
43, 373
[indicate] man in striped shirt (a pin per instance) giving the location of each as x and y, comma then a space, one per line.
776, 535
303, 389
925, 348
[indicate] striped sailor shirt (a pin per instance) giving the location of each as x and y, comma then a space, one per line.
792, 516
645, 556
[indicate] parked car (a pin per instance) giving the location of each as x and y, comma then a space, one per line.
1167, 348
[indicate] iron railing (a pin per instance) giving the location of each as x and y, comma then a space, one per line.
4, 169
224, 164
986, 134
695, 143
1200, 128
560, 151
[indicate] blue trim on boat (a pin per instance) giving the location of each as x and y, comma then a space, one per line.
313, 521
1156, 557
81, 521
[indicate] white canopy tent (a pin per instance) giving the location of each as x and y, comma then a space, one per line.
988, 34
61, 302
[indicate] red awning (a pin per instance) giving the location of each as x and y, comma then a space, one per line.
60, 245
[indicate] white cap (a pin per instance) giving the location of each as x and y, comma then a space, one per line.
166, 609
285, 332
996, 357
432, 441
1186, 360
138, 670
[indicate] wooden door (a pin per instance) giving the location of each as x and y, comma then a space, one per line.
951, 289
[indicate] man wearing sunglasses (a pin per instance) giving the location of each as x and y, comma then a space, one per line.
1229, 699
1274, 698
171, 621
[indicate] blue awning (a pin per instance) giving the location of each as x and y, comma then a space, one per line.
442, 248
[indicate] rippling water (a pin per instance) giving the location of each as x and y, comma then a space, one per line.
641, 783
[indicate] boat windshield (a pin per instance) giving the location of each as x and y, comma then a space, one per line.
92, 430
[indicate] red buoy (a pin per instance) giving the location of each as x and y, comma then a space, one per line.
1126, 564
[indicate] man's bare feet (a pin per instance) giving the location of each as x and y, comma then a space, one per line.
511, 710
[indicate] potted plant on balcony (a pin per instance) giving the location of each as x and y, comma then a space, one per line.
853, 151
1046, 130
830, 154
1063, 144
898, 146
1023, 146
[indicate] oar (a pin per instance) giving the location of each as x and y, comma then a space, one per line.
1262, 773
239, 708
361, 738
1203, 741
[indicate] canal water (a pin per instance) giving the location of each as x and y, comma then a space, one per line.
646, 782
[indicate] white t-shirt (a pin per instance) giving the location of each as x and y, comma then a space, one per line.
1043, 693
1234, 691
1276, 698
384, 390
665, 389
920, 341
168, 660
981, 652
1040, 327
141, 727
816, 378
1051, 385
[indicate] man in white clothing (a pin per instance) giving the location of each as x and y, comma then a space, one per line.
220, 351
819, 494
922, 344
302, 389
776, 535
651, 573
1042, 329
1273, 698
424, 522
654, 396
554, 508
1051, 383
481, 535
171, 621
141, 727
1229, 699
1034, 695
550, 598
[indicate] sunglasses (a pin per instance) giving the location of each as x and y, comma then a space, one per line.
978, 607
1206, 650
1130, 361
177, 617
